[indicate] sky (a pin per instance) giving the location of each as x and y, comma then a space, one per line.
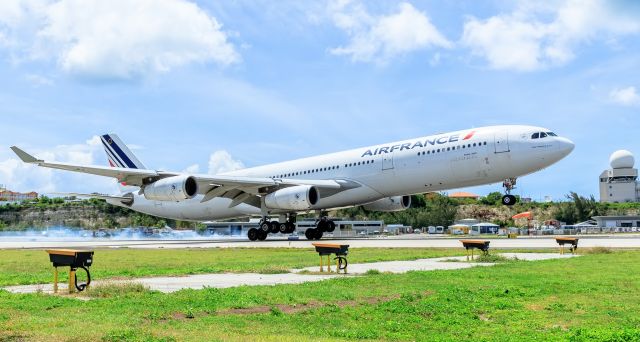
212, 86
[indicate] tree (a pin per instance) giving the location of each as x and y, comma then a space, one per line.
492, 198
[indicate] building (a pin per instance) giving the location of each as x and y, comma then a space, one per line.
484, 228
10, 196
617, 221
620, 183
464, 195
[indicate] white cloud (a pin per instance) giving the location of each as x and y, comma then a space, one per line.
381, 38
117, 39
193, 169
18, 176
625, 96
543, 34
221, 161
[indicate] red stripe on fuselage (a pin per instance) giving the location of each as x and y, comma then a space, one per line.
468, 136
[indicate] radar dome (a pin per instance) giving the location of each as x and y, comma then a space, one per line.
621, 159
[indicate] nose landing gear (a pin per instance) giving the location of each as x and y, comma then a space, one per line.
509, 184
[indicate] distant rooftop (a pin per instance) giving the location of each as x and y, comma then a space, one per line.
463, 194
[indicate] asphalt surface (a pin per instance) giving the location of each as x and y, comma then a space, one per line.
225, 280
406, 241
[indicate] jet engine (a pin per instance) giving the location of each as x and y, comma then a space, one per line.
176, 188
388, 204
300, 197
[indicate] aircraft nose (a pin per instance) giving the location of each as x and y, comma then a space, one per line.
565, 145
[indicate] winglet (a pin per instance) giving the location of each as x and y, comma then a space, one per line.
26, 157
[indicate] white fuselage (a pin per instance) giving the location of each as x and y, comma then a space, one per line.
433, 163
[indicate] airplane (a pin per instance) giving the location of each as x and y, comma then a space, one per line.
380, 178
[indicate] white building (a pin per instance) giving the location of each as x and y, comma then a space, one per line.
620, 184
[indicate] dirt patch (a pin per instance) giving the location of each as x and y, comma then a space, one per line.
292, 309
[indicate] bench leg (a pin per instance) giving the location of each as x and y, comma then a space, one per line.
72, 277
321, 269
329, 263
55, 280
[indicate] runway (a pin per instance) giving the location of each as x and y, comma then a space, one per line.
407, 241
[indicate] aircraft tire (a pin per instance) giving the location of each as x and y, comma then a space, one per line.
322, 225
262, 235
252, 234
265, 226
283, 228
275, 227
509, 200
310, 233
290, 227
318, 234
331, 226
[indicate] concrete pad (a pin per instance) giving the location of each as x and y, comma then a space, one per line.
406, 266
226, 280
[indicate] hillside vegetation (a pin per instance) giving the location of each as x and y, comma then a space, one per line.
426, 210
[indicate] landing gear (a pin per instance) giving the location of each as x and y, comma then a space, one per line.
322, 225
267, 227
257, 234
509, 184
287, 228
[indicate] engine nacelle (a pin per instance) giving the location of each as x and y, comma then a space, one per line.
176, 188
389, 204
300, 197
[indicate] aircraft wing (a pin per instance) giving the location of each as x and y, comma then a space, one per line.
241, 189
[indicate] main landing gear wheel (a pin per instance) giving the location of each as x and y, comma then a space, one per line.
509, 200
262, 235
313, 234
331, 226
291, 227
265, 226
274, 227
283, 228
252, 234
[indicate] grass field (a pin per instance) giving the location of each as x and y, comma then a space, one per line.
594, 297
21, 267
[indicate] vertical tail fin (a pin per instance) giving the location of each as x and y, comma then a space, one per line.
119, 154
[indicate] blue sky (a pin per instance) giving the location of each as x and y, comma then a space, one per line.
207, 86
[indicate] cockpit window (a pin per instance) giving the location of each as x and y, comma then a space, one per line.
543, 135
551, 134
535, 135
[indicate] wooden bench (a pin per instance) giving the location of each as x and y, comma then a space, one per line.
567, 241
482, 245
326, 249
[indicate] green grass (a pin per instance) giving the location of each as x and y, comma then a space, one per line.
22, 267
595, 297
